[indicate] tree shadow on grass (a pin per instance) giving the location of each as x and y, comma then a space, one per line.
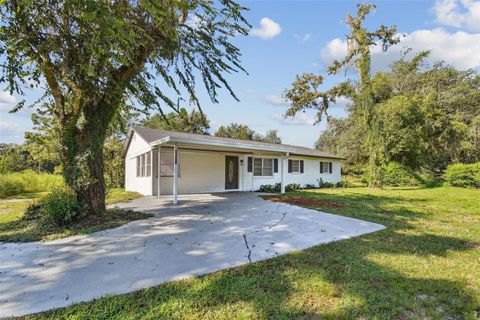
331, 281
384, 275
390, 211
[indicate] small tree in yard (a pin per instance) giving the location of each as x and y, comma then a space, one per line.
304, 93
93, 55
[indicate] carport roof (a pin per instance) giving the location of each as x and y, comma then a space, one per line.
156, 136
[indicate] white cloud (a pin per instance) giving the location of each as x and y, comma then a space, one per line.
268, 29
300, 119
7, 101
275, 100
306, 37
342, 102
303, 38
335, 49
458, 13
459, 49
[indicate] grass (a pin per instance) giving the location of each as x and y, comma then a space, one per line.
28, 181
426, 265
13, 228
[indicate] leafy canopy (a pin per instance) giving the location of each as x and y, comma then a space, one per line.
93, 53
243, 132
195, 122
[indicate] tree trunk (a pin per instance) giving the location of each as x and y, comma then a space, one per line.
82, 162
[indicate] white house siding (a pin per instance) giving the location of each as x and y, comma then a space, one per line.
204, 171
142, 185
310, 175
200, 171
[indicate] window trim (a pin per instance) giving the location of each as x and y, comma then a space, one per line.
172, 164
301, 166
329, 168
144, 165
263, 159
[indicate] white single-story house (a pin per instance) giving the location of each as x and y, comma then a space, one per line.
159, 162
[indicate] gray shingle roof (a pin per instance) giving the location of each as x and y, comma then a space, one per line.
152, 135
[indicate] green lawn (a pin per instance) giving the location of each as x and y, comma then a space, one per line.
426, 265
13, 228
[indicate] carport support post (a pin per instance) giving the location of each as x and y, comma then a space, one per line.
175, 174
282, 168
158, 172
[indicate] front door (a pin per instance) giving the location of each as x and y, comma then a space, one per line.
231, 172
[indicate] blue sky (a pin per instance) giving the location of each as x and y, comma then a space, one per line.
292, 37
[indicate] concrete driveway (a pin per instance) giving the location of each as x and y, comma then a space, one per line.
204, 233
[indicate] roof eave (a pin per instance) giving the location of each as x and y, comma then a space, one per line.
127, 141
216, 144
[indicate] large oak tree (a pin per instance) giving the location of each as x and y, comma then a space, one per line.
91, 56
305, 93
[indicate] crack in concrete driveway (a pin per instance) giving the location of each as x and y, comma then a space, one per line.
200, 235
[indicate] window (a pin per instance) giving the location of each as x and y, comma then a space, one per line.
148, 164
263, 167
275, 165
144, 165
325, 167
295, 166
166, 163
250, 164
138, 166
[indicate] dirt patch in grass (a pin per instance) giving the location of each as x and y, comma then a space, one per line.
305, 202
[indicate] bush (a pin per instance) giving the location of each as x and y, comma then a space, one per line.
397, 175
343, 184
325, 184
59, 206
292, 187
310, 186
270, 188
12, 184
463, 175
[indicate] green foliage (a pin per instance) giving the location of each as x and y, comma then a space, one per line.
424, 265
243, 132
113, 162
59, 207
397, 175
309, 186
463, 175
270, 188
13, 158
427, 118
43, 143
343, 184
346, 137
292, 187
195, 122
305, 94
92, 56
27, 181
235, 131
17, 225
325, 184
270, 137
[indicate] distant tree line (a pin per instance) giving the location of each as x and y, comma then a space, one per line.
41, 149
427, 116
